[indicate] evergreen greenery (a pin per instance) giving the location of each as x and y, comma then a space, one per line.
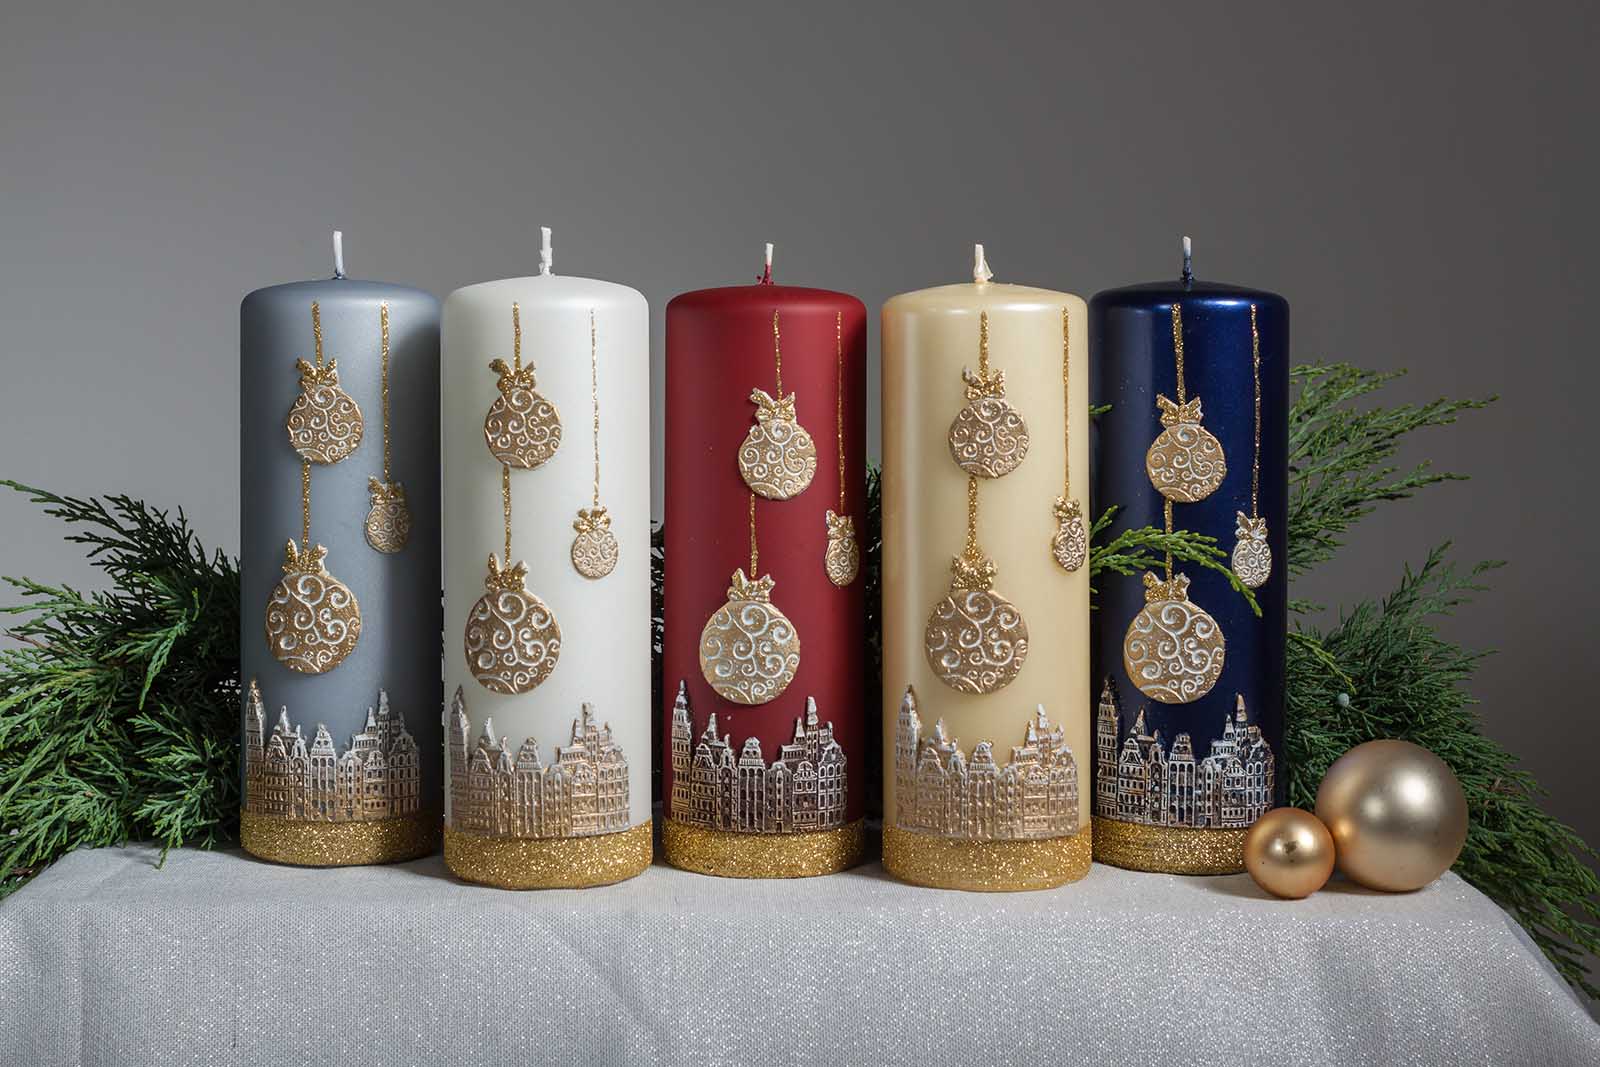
119, 709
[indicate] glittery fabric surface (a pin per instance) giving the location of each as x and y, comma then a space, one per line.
220, 959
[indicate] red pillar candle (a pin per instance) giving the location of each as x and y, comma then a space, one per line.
765, 764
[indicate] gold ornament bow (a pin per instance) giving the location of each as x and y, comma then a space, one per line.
1254, 528
984, 385
746, 588
770, 410
1174, 588
520, 378
972, 571
592, 520
303, 560
1173, 413
839, 526
312, 375
508, 577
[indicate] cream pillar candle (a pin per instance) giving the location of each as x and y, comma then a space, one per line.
986, 586
546, 440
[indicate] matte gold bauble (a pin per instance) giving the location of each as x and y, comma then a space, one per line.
1396, 812
842, 560
1173, 649
389, 520
522, 429
975, 640
313, 619
1289, 853
1070, 545
1252, 556
325, 423
988, 437
749, 650
594, 548
512, 639
778, 458
1185, 463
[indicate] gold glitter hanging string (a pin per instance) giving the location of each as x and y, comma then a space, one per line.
305, 503
778, 458
1070, 545
594, 549
1185, 462
1252, 556
755, 550
1177, 348
988, 437
841, 561
324, 423
388, 522
505, 506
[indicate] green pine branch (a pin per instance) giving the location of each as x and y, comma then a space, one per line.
118, 709
1143, 549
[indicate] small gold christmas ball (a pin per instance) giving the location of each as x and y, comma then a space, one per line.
1397, 815
1289, 853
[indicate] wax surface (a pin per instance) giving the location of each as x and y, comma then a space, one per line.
719, 348
398, 593
605, 623
929, 337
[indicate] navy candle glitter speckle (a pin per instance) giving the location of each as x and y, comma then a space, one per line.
1177, 784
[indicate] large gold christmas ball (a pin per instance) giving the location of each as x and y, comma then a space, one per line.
1396, 812
1289, 853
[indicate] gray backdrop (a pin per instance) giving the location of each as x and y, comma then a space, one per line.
1416, 180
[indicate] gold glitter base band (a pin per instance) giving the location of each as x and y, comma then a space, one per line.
985, 866
307, 843
731, 855
1168, 849
548, 862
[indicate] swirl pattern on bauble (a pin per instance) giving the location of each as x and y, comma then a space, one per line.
988, 437
512, 641
1173, 651
976, 641
313, 622
325, 423
749, 650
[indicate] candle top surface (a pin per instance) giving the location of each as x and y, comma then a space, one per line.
336, 288
550, 290
759, 295
1161, 294
979, 296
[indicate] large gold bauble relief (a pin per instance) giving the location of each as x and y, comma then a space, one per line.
522, 429
312, 620
749, 650
325, 423
778, 458
1185, 462
988, 437
975, 640
512, 638
1173, 649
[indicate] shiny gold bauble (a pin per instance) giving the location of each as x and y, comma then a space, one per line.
1289, 853
1396, 812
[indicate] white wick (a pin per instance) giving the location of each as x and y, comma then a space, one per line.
545, 255
338, 253
980, 266
769, 255
1188, 259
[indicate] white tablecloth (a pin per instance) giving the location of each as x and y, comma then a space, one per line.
219, 959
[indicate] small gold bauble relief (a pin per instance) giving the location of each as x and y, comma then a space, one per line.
313, 620
749, 650
976, 639
778, 457
1252, 556
1173, 650
594, 549
389, 520
1070, 545
842, 560
522, 429
512, 639
988, 437
1185, 462
324, 423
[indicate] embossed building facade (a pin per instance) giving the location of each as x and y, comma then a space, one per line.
1140, 779
802, 790
939, 790
501, 792
375, 777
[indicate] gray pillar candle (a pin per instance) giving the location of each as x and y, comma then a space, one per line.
339, 571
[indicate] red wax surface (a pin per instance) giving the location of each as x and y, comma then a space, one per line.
719, 348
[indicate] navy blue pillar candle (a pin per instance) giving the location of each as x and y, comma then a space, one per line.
340, 613
1189, 716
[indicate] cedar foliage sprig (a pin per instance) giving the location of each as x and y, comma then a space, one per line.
119, 709
1145, 549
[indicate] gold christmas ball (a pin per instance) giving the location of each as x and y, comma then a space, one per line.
1289, 853
1396, 812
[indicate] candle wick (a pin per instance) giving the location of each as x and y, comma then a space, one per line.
1188, 262
980, 266
766, 273
546, 254
338, 253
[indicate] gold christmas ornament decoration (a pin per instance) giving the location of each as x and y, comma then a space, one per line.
975, 640
388, 522
522, 429
324, 423
1289, 853
594, 549
1185, 463
1070, 545
778, 458
1252, 556
749, 650
313, 619
842, 558
988, 437
1396, 812
512, 640
1173, 650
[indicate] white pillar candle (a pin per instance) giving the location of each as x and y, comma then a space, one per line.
547, 612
